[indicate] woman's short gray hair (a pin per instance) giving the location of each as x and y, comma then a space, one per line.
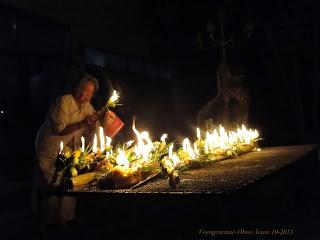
89, 78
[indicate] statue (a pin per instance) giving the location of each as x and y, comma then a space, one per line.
230, 107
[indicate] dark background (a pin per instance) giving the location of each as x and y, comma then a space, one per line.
148, 50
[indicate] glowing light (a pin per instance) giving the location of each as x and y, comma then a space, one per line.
82, 144
61, 147
114, 97
122, 160
144, 145
196, 150
129, 143
170, 151
175, 160
101, 135
187, 147
164, 137
95, 143
198, 133
228, 140
108, 141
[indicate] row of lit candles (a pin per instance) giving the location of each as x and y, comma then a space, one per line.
216, 139
105, 141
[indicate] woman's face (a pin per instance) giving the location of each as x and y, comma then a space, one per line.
86, 92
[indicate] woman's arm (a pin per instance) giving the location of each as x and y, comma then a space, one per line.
71, 128
89, 122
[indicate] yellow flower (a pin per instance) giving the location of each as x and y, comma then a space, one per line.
73, 172
67, 154
76, 154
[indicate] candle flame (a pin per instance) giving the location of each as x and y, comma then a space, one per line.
187, 148
129, 143
61, 147
122, 160
108, 141
164, 137
101, 135
144, 145
175, 160
95, 143
196, 150
227, 140
198, 133
82, 144
114, 97
170, 150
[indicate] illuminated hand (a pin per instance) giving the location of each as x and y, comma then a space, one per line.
91, 119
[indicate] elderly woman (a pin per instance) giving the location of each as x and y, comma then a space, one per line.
71, 117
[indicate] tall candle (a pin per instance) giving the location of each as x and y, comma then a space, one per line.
108, 141
101, 133
61, 147
94, 147
82, 144
198, 134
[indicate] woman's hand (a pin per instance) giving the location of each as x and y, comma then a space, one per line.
90, 121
